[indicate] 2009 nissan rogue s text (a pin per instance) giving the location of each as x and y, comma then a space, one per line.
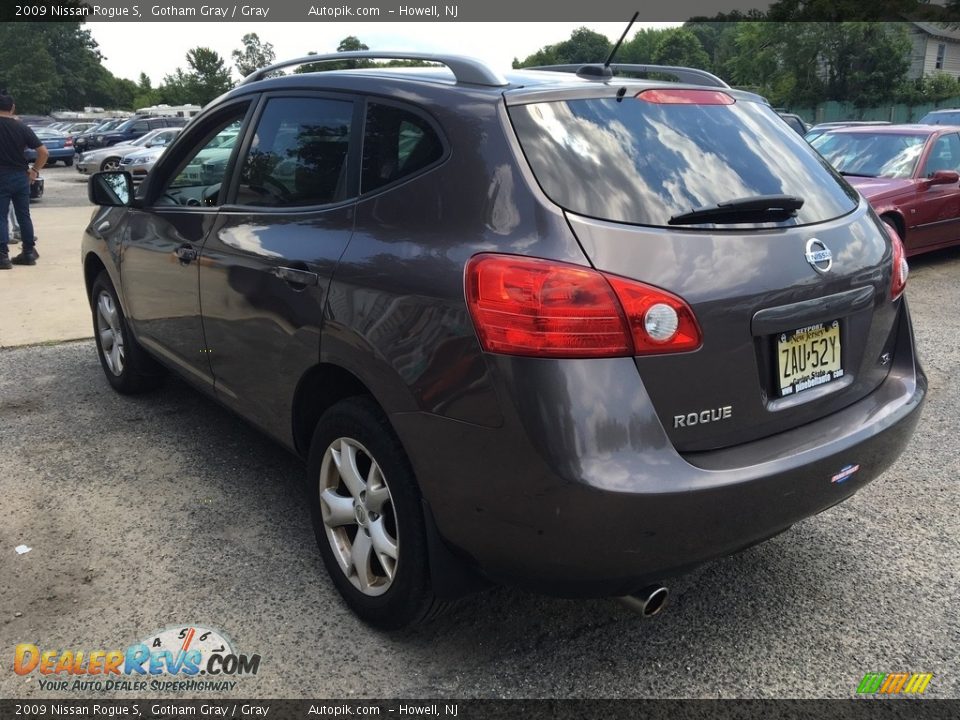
571, 331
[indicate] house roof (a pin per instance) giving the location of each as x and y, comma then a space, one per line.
938, 31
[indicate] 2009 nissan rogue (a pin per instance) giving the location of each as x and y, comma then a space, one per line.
572, 331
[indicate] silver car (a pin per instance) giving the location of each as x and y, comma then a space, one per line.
139, 163
109, 158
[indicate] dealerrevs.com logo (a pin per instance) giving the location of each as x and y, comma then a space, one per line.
178, 659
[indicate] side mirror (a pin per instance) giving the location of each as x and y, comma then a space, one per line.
112, 189
944, 177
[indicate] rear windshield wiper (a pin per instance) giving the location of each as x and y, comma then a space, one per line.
761, 208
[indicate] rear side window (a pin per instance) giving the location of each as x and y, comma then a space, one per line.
641, 162
396, 143
298, 155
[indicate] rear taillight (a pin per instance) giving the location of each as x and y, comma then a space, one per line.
542, 308
901, 269
68, 142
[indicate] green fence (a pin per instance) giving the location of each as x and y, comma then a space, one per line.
836, 111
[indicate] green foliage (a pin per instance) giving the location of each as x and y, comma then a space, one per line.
27, 70
641, 47
206, 78
253, 56
667, 46
348, 44
583, 46
807, 63
58, 66
681, 47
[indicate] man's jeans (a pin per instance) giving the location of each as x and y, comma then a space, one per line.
15, 188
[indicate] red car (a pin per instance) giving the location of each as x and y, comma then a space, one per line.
909, 173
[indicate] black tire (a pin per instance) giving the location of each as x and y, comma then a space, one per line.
136, 372
893, 225
68, 163
110, 163
407, 597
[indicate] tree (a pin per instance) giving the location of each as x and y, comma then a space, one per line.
207, 78
640, 48
253, 56
806, 63
583, 46
27, 70
349, 44
681, 47
210, 77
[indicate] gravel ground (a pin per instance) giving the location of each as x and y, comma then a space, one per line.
145, 513
63, 187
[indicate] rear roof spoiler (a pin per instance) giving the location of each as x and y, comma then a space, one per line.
594, 71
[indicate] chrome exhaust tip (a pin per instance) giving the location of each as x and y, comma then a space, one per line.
647, 602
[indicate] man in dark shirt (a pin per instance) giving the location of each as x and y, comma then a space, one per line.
15, 179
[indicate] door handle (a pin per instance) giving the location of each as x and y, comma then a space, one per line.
294, 276
185, 254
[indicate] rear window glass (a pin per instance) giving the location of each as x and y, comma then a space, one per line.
639, 162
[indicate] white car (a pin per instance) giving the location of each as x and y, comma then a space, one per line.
109, 158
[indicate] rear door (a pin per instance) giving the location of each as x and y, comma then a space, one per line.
795, 312
266, 267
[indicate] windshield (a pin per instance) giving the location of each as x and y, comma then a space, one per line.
872, 155
641, 162
144, 139
941, 118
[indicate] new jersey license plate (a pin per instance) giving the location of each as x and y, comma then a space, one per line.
809, 357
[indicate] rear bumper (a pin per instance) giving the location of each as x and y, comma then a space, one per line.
580, 493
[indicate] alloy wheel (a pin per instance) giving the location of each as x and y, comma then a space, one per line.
359, 516
111, 333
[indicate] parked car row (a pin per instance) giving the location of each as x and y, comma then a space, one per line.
109, 158
125, 131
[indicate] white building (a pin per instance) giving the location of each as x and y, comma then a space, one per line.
936, 49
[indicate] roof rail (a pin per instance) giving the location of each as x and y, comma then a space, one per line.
464, 69
682, 74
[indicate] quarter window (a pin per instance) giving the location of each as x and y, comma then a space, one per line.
396, 143
298, 155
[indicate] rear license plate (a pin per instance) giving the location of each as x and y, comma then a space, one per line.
808, 357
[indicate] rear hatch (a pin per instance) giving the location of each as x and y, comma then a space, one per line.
794, 304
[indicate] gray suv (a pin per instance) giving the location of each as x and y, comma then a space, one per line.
575, 331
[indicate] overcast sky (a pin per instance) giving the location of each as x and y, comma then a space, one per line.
158, 48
